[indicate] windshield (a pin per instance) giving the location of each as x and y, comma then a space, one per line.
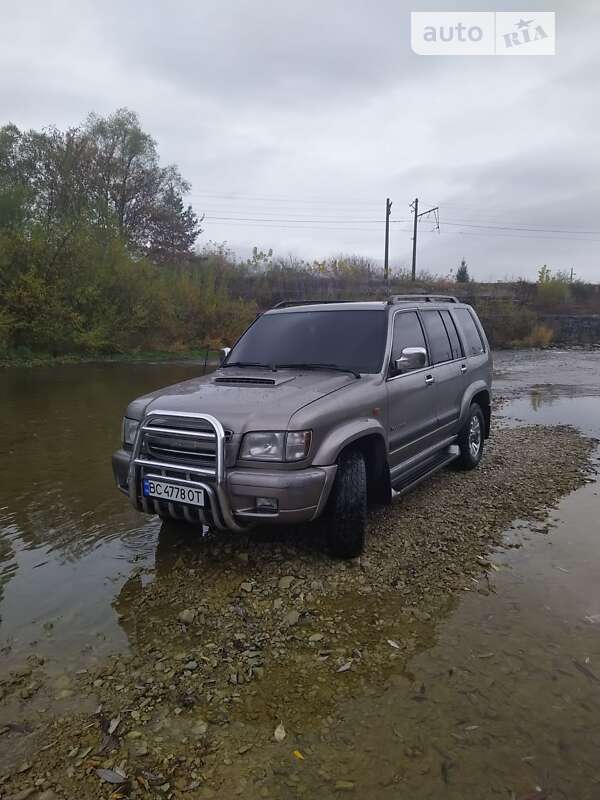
350, 339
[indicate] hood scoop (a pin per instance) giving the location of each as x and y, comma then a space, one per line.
253, 380
247, 381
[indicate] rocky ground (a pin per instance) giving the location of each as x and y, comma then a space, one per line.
239, 645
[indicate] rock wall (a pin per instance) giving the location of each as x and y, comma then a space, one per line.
572, 329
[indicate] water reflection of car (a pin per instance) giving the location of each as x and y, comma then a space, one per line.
319, 410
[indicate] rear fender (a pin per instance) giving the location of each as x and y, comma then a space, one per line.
474, 388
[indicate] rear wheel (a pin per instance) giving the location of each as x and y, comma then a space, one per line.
346, 517
470, 439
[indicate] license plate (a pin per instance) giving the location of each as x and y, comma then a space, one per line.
173, 492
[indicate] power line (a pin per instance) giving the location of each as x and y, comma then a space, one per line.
535, 229
513, 235
456, 221
229, 196
304, 225
276, 224
517, 236
284, 219
299, 221
211, 215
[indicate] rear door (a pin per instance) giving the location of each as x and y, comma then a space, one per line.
412, 415
448, 368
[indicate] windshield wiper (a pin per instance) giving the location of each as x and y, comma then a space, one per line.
249, 364
301, 365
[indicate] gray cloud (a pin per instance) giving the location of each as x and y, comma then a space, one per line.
307, 115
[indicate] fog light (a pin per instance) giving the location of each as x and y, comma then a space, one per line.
267, 505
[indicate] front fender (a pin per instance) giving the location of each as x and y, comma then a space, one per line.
343, 435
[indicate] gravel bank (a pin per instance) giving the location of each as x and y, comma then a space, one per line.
236, 636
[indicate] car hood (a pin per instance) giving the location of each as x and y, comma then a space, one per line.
244, 399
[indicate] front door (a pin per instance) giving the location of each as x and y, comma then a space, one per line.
412, 415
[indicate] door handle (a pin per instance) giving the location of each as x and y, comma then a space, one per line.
429, 379
463, 368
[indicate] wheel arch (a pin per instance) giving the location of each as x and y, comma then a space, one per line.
483, 400
373, 448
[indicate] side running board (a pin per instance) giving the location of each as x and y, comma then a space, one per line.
408, 480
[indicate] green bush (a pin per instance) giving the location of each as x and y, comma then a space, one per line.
507, 324
553, 293
92, 297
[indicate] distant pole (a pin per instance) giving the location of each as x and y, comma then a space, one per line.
414, 258
415, 208
386, 266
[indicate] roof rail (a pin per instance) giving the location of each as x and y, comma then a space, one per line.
422, 298
288, 303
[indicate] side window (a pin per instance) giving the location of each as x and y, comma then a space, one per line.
452, 334
407, 333
439, 343
473, 341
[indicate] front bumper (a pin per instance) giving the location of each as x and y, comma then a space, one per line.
231, 493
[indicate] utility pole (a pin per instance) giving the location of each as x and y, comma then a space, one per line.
414, 258
386, 268
415, 207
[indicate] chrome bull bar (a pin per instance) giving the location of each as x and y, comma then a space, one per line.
214, 490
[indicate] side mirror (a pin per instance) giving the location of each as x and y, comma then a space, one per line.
223, 353
411, 358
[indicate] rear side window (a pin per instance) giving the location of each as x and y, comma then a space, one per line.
407, 333
439, 343
452, 334
473, 341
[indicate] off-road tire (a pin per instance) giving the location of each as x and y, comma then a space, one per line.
346, 517
473, 430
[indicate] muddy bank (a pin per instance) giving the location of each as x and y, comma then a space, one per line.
234, 637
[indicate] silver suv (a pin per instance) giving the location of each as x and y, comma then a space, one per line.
319, 410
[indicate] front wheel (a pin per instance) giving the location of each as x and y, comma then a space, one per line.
470, 439
346, 516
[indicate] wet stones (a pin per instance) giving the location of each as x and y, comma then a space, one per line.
292, 618
316, 636
187, 616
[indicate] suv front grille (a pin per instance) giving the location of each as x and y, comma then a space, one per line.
181, 440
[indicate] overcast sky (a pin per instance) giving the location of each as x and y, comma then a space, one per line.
294, 120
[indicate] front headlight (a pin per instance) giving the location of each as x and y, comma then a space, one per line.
263, 446
275, 446
130, 427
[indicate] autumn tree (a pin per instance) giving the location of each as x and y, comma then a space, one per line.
105, 174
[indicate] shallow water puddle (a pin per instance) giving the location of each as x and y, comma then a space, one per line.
506, 700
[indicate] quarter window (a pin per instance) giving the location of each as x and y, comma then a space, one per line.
439, 343
473, 341
407, 333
